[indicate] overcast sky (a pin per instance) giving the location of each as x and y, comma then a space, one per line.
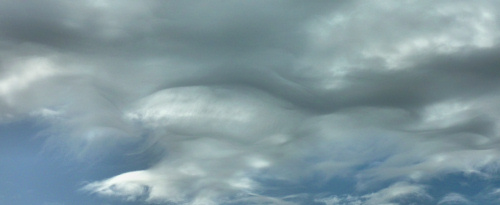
249, 102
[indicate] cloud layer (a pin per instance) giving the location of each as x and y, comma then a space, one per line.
257, 102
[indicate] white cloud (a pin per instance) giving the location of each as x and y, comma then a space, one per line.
340, 200
454, 198
217, 140
20, 77
27, 72
398, 193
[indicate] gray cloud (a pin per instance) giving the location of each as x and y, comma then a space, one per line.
241, 95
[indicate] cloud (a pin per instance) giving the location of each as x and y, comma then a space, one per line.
406, 193
454, 198
241, 99
398, 193
340, 200
216, 140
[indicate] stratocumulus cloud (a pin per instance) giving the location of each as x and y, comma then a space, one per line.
262, 102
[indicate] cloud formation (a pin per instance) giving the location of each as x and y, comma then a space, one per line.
257, 102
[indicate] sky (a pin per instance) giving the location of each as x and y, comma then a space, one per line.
123, 102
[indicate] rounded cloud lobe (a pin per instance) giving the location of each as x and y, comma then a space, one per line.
256, 102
